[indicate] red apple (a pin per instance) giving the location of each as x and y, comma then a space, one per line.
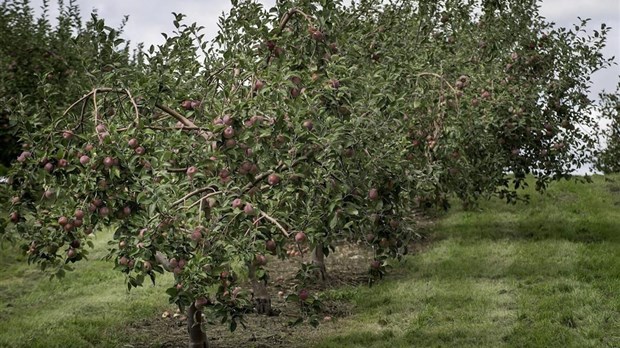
133, 143
191, 171
147, 266
14, 217
108, 162
229, 132
373, 194
300, 237
236, 203
273, 179
270, 245
139, 150
248, 209
49, 167
84, 159
67, 135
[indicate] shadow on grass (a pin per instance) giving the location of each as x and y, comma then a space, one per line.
534, 229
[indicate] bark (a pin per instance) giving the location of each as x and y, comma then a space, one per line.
197, 337
262, 300
318, 259
163, 261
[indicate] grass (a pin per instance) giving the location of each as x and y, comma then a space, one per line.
86, 309
544, 274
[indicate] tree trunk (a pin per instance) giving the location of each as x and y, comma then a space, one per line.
197, 337
318, 259
262, 300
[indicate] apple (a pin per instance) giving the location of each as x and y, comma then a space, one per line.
122, 244
485, 95
186, 105
71, 253
62, 221
126, 210
260, 260
295, 92
14, 217
195, 104
75, 244
133, 143
303, 294
227, 120
224, 275
375, 265
248, 209
104, 211
384, 243
89, 147
67, 135
230, 143
300, 237
108, 162
270, 245
191, 171
196, 235
273, 179
258, 85
123, 261
139, 150
147, 266
370, 237
100, 128
84, 159
174, 263
48, 194
229, 132
48, 167
78, 223
236, 203
308, 125
182, 263
373, 194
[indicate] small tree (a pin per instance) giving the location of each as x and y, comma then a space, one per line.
609, 157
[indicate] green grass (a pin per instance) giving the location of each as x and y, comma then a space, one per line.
88, 308
546, 274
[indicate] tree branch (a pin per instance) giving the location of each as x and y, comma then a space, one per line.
274, 221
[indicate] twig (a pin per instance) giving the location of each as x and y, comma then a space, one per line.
263, 214
193, 193
184, 120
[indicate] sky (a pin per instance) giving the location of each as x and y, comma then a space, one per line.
149, 18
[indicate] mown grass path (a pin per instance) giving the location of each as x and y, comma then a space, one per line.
545, 274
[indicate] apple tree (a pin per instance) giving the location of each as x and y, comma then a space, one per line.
298, 127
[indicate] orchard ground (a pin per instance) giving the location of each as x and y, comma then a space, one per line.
544, 274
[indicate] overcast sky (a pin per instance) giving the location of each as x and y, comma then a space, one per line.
149, 18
